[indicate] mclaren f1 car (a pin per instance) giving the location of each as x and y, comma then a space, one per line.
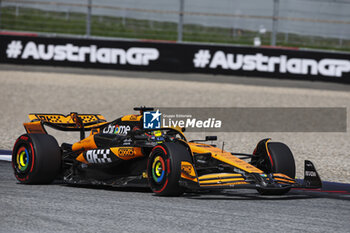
125, 153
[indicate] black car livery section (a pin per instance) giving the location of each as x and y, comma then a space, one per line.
123, 153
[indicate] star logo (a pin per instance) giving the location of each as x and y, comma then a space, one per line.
156, 115
151, 120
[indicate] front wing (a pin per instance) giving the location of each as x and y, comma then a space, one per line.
190, 180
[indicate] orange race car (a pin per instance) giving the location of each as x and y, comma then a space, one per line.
124, 152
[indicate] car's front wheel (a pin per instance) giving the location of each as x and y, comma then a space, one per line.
274, 157
164, 168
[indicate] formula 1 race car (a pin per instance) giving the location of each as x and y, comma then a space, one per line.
125, 153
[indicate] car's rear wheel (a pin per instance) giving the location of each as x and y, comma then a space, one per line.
36, 159
274, 157
164, 168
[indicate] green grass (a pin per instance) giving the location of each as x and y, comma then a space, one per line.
35, 20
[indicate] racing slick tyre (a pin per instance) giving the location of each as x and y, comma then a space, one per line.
274, 157
164, 168
36, 159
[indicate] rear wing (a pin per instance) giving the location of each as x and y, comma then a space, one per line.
70, 122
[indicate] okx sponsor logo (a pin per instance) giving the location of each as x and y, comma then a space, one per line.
152, 120
98, 156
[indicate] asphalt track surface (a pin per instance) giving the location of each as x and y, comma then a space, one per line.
61, 208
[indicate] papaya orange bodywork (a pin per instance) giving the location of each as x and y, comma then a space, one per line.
81, 158
188, 172
34, 127
219, 176
69, 119
220, 179
226, 184
284, 180
127, 153
131, 117
85, 144
223, 156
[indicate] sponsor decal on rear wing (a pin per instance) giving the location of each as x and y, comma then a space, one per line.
86, 119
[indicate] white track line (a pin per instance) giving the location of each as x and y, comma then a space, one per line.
5, 157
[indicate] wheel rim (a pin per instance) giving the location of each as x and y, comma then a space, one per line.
22, 159
158, 169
